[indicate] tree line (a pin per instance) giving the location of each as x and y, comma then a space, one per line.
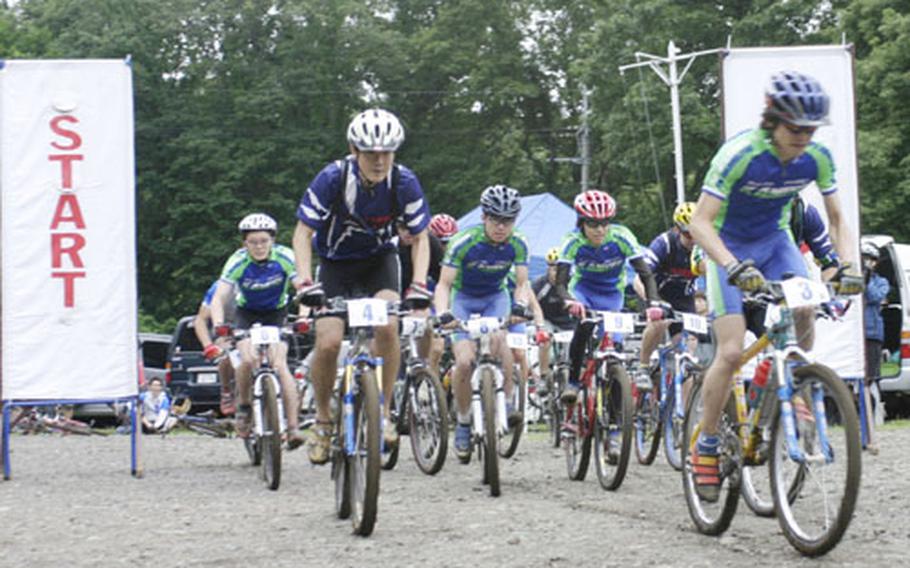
239, 103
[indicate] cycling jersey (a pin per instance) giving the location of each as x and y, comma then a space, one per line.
260, 286
552, 303
352, 222
757, 189
668, 259
482, 265
600, 270
229, 307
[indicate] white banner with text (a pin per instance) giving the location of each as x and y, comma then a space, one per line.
67, 218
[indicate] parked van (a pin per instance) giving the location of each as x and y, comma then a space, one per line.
895, 266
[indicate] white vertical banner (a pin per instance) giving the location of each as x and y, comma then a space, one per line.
745, 74
67, 219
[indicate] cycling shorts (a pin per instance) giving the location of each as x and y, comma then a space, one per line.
774, 257
246, 318
360, 278
597, 300
680, 304
497, 305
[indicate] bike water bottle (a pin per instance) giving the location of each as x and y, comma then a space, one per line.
759, 381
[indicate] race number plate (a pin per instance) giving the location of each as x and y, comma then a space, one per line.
618, 322
695, 323
265, 334
801, 292
482, 326
563, 337
206, 378
411, 326
517, 341
368, 312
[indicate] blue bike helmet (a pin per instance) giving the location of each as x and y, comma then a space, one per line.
797, 99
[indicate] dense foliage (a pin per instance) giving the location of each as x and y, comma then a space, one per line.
240, 102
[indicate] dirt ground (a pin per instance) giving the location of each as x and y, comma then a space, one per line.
72, 501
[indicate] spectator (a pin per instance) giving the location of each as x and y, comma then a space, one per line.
155, 409
877, 288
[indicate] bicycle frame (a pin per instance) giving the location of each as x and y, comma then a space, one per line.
604, 353
674, 380
357, 360
485, 360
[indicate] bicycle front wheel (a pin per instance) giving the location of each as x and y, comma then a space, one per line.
490, 453
271, 434
509, 443
428, 417
613, 426
365, 461
647, 423
824, 465
712, 517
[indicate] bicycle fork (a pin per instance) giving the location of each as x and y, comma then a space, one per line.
785, 394
260, 427
499, 400
353, 374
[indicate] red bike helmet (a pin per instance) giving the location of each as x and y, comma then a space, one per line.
443, 226
595, 204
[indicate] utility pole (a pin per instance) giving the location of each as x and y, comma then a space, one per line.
582, 141
671, 79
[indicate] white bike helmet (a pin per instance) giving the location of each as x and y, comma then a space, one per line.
375, 130
258, 222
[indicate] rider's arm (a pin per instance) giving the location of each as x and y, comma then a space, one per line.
201, 325
647, 278
522, 286
837, 227
443, 288
702, 229
420, 257
221, 297
303, 252
535, 308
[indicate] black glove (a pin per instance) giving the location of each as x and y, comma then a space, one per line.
850, 282
445, 318
744, 275
522, 311
418, 296
311, 294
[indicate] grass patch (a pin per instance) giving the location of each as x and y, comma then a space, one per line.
895, 424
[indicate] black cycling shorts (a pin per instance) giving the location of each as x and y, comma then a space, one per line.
684, 304
244, 319
360, 278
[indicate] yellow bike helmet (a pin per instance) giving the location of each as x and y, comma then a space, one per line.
553, 255
682, 215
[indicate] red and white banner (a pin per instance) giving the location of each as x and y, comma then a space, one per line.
745, 74
67, 218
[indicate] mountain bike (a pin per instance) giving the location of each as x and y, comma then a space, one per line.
556, 380
659, 413
489, 422
269, 426
813, 450
355, 452
419, 405
602, 415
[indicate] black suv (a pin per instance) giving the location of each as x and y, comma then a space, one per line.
189, 374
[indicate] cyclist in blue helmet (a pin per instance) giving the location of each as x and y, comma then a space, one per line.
741, 221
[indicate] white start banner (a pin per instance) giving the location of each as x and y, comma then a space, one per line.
745, 74
67, 218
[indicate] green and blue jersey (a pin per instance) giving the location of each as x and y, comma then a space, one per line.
600, 270
260, 286
482, 265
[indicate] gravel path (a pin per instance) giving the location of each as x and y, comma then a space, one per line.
72, 502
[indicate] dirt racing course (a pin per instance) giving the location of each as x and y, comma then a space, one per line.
72, 501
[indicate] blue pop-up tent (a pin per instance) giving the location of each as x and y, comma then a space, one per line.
544, 220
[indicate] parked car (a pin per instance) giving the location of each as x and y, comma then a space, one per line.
154, 349
188, 373
894, 265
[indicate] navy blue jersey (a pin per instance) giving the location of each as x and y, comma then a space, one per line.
815, 235
670, 262
354, 223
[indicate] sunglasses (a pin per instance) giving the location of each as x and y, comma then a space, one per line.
595, 223
501, 221
797, 130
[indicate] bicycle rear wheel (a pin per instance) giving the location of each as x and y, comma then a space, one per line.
712, 518
612, 426
577, 445
508, 445
341, 464
556, 412
829, 467
271, 435
647, 423
365, 463
428, 418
